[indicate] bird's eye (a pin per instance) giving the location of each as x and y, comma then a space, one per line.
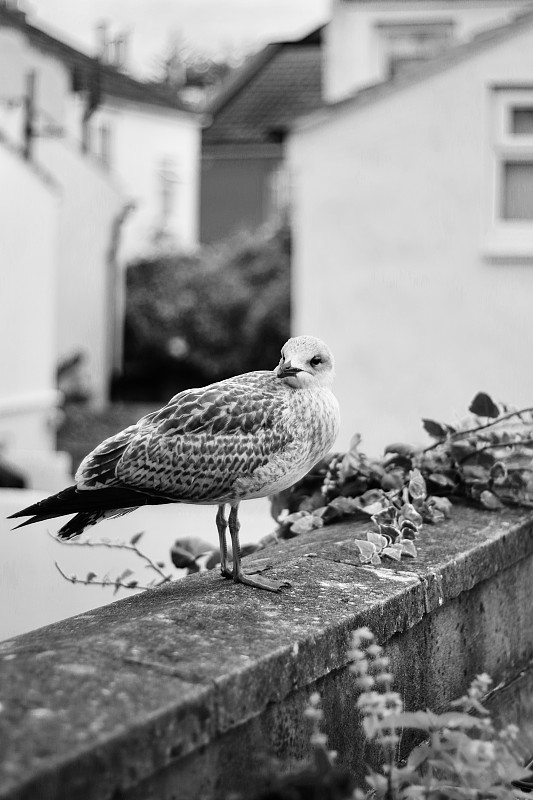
315, 361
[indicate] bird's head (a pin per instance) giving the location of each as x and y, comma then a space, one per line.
306, 362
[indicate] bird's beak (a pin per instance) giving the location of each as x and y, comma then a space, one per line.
287, 370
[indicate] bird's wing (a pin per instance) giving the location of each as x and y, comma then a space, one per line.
199, 445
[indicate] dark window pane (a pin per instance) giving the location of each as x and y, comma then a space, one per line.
522, 121
517, 200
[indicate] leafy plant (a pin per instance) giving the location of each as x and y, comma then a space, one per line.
126, 578
462, 756
485, 459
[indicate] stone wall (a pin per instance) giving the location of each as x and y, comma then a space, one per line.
182, 691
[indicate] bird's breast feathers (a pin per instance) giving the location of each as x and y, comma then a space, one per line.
243, 437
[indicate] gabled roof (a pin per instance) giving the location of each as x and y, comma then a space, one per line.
263, 98
422, 71
113, 82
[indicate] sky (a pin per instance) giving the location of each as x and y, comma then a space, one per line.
206, 26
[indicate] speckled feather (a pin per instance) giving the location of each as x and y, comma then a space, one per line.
244, 437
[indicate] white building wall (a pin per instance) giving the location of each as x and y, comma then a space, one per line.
51, 87
392, 259
28, 305
143, 140
354, 53
89, 207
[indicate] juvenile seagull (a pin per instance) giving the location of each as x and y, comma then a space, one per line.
238, 439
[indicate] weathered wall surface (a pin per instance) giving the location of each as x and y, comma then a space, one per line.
178, 692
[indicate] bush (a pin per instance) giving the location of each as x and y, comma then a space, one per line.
203, 317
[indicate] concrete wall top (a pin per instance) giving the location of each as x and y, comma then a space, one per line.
95, 705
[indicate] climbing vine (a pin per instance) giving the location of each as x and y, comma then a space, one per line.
485, 459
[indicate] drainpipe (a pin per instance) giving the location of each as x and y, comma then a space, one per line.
94, 96
116, 294
29, 115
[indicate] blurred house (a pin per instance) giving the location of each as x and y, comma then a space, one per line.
95, 169
369, 41
412, 204
244, 180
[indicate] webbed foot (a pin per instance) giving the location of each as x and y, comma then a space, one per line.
261, 583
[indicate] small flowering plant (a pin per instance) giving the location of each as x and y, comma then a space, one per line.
463, 757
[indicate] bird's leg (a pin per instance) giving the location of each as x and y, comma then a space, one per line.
222, 525
238, 575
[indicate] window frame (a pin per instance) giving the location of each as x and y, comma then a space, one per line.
507, 237
441, 31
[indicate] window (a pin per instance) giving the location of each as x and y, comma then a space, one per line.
406, 43
511, 207
517, 190
522, 121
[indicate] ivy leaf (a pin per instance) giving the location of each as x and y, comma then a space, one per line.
417, 485
436, 430
392, 532
392, 481
327, 513
443, 505
181, 558
401, 448
443, 481
126, 574
375, 560
475, 472
490, 501
377, 539
345, 505
392, 552
410, 513
90, 577
498, 471
483, 406
136, 537
462, 449
294, 516
366, 550
306, 524
408, 548
374, 508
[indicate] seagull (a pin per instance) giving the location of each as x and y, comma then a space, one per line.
238, 439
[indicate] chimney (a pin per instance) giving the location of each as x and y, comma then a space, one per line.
124, 39
102, 44
16, 7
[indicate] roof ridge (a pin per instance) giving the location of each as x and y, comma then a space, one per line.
147, 93
254, 63
242, 76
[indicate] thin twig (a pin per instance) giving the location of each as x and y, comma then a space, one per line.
117, 546
97, 582
459, 434
497, 446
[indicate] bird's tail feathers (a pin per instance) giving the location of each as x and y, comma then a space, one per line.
87, 519
89, 505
